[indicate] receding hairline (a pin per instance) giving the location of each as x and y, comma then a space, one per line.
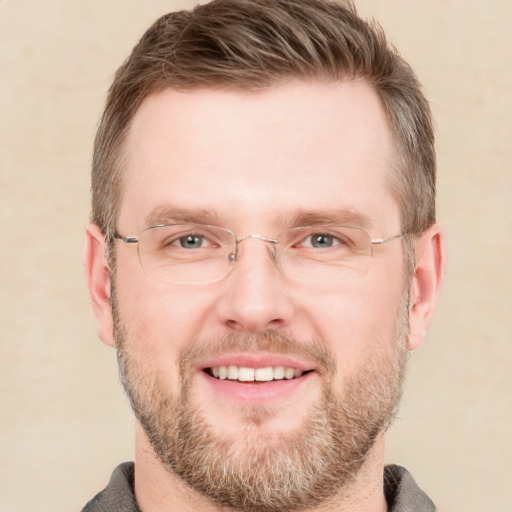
393, 160
221, 46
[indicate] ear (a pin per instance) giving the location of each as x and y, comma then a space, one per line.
426, 283
97, 275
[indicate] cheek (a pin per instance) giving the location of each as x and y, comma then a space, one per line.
357, 322
158, 319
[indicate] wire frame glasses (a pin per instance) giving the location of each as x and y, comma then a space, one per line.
196, 253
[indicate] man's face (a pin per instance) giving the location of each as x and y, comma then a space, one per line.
254, 163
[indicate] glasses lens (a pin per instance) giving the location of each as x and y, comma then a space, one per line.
186, 252
191, 253
326, 253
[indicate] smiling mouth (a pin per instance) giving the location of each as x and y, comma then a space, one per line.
246, 374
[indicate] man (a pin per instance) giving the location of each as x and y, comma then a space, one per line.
263, 253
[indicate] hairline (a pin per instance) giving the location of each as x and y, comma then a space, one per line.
397, 157
394, 177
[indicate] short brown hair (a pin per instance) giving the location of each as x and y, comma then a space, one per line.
253, 44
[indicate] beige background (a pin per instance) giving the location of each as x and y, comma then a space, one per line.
64, 422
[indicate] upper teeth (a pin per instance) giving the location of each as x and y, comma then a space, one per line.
245, 374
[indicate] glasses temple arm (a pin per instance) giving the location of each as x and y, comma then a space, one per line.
125, 239
378, 241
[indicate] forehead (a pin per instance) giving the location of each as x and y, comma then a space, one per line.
244, 155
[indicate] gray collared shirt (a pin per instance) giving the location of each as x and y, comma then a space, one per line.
401, 491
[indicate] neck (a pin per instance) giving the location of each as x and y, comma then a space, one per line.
158, 490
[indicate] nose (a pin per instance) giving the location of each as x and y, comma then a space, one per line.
256, 296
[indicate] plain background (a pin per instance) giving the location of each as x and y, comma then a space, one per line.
64, 422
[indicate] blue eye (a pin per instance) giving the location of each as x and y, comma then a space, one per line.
322, 240
191, 241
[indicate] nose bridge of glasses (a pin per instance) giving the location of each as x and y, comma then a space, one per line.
234, 255
257, 237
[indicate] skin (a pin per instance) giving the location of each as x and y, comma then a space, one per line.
252, 161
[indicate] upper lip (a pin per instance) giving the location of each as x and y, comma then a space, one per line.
257, 360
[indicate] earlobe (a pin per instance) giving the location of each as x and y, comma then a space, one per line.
97, 275
426, 283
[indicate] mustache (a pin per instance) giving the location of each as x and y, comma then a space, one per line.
269, 341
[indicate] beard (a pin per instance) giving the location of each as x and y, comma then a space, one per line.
268, 471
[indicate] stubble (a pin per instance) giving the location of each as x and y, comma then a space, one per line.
291, 471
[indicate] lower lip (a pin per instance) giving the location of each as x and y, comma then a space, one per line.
256, 392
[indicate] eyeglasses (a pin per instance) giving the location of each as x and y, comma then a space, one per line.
196, 253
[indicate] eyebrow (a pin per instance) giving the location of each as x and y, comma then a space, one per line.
348, 216
337, 217
170, 215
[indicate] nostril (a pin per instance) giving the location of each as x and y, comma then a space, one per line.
235, 326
